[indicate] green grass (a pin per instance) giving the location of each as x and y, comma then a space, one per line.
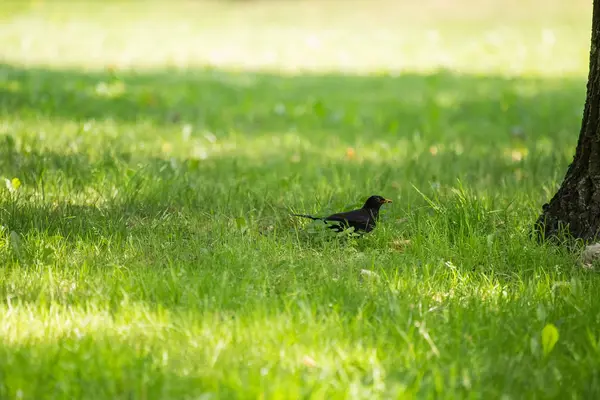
148, 252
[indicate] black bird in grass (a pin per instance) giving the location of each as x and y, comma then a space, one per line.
364, 219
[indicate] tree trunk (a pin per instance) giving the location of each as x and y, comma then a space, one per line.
575, 208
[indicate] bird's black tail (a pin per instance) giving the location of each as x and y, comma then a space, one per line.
307, 216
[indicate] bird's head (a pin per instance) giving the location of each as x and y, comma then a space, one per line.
374, 202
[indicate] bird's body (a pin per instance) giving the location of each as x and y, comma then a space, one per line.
363, 219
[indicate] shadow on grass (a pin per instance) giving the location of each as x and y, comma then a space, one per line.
253, 103
473, 119
163, 208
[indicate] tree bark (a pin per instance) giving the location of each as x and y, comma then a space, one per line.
575, 208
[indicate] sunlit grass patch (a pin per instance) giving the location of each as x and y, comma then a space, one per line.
295, 36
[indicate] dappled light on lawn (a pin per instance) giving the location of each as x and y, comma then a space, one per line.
151, 156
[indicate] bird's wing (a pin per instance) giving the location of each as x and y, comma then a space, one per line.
357, 216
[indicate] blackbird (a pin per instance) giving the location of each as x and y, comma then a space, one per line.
364, 219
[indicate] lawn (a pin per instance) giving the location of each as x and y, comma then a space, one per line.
153, 152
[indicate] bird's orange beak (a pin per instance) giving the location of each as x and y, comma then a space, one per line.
386, 201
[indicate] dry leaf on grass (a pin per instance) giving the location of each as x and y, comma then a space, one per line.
350, 153
309, 361
400, 244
